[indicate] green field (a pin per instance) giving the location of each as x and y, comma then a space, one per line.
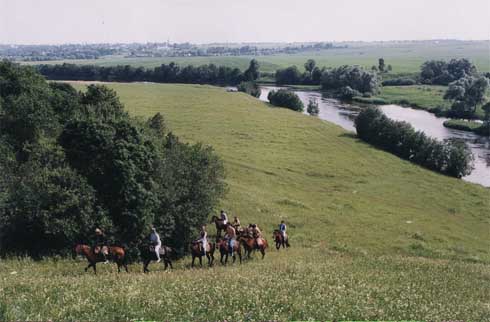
374, 237
404, 57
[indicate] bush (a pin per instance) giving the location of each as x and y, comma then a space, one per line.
285, 98
354, 77
347, 93
448, 157
312, 108
251, 88
399, 82
439, 72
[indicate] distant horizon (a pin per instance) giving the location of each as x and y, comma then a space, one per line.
34, 22
245, 42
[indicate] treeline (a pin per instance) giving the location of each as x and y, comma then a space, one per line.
400, 138
171, 73
72, 161
440, 72
354, 80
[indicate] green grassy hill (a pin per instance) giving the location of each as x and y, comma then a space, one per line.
374, 237
329, 186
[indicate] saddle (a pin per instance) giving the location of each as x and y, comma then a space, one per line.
101, 249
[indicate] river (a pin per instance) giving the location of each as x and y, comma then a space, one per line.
343, 114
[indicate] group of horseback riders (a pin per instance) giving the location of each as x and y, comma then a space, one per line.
233, 232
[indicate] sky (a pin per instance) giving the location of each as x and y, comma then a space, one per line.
207, 21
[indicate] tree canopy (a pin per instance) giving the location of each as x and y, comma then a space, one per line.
72, 161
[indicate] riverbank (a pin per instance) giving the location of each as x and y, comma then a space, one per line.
424, 97
469, 126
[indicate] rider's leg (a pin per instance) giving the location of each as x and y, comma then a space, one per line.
232, 244
157, 252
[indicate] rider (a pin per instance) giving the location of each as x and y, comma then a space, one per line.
156, 242
203, 239
257, 235
230, 237
236, 223
224, 217
282, 229
100, 243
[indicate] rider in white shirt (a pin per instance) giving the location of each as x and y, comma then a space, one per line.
224, 217
155, 241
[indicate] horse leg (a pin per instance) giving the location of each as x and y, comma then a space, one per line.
209, 259
240, 255
262, 250
169, 262
193, 259
95, 269
200, 261
145, 266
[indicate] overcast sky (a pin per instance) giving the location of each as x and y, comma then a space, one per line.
204, 21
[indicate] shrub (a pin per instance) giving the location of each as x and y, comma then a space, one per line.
448, 157
251, 88
354, 77
285, 98
403, 81
312, 108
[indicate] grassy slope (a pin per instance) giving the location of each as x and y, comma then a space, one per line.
327, 185
346, 203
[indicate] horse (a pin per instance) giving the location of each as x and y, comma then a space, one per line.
148, 254
219, 225
197, 252
222, 245
250, 244
115, 253
280, 241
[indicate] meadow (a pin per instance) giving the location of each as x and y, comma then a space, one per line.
405, 58
374, 237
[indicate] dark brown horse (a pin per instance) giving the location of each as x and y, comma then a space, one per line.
196, 251
220, 226
250, 244
224, 250
114, 253
148, 254
280, 241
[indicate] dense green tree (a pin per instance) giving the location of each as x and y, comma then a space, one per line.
72, 161
310, 66
381, 65
353, 76
157, 123
251, 88
466, 94
48, 205
252, 73
313, 108
289, 76
285, 98
440, 72
448, 157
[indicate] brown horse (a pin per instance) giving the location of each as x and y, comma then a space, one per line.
115, 253
224, 250
280, 241
220, 226
250, 244
196, 251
